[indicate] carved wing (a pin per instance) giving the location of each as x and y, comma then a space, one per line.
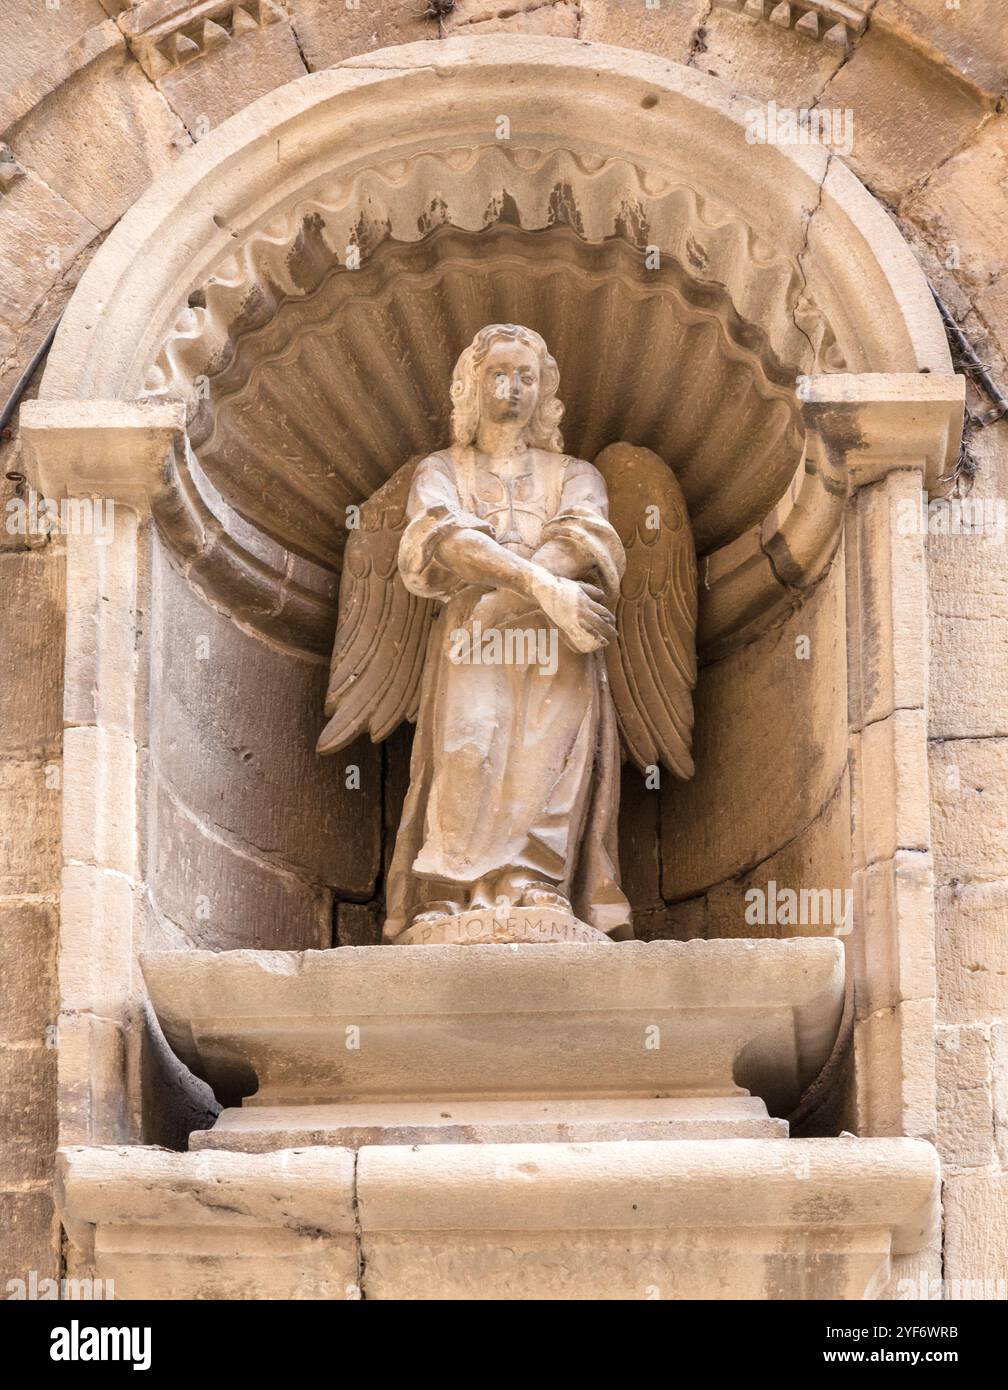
652, 666
381, 635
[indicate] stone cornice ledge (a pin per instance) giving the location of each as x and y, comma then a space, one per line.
737, 1218
733, 1218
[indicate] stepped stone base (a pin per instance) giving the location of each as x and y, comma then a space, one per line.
261, 1128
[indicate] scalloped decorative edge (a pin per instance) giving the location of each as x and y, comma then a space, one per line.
357, 214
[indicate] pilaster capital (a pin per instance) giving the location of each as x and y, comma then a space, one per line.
873, 422
113, 449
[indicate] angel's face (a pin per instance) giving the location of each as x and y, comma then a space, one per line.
509, 384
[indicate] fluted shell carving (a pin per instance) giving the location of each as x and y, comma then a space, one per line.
675, 328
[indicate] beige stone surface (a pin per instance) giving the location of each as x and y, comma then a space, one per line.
757, 180
972, 951
620, 1019
93, 1099
521, 1221
502, 925
61, 66
28, 942
227, 77
42, 235
261, 1128
28, 1117
31, 635
104, 593
990, 323
966, 1135
165, 1225
971, 41
976, 1222
763, 60
328, 33
886, 600
894, 947
97, 923
99, 829
999, 1087
115, 449
817, 860
32, 33
102, 137
31, 1235
211, 890
794, 749
30, 813
890, 777
969, 811
874, 423
909, 115
502, 1220
682, 921
238, 751
559, 19
895, 1065
667, 30
964, 203
915, 45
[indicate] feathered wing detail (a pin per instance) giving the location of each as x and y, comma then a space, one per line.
652, 665
381, 636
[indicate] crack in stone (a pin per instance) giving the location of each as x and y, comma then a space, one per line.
358, 1232
803, 253
150, 81
297, 40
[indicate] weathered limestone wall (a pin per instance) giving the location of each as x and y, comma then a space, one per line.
771, 795
31, 720
250, 835
97, 99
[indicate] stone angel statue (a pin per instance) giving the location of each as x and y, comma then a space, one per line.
530, 612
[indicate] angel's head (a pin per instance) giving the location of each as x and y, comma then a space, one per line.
506, 375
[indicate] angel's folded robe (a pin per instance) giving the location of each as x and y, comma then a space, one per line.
515, 766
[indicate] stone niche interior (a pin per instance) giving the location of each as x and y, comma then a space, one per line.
304, 402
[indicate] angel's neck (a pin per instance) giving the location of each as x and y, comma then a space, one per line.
500, 440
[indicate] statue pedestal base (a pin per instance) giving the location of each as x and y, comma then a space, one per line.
579, 1121
595, 1020
527, 926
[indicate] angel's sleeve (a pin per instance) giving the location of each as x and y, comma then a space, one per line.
434, 511
582, 521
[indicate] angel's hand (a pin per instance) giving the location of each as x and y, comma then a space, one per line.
578, 611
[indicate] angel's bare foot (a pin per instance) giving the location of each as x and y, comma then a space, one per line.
517, 888
437, 912
542, 894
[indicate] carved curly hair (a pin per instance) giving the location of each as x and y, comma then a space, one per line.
543, 429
